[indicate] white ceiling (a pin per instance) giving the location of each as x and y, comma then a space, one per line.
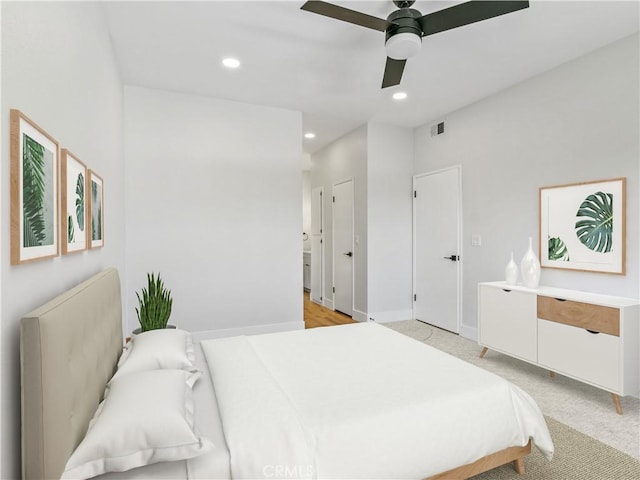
332, 71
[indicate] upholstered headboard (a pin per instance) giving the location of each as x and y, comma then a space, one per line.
68, 349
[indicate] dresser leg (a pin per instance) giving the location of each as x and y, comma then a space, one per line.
484, 350
616, 402
552, 374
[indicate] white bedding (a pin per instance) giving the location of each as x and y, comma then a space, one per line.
210, 466
361, 401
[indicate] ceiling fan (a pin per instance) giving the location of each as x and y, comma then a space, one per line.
404, 28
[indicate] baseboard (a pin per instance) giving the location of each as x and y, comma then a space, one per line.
328, 303
359, 316
390, 316
468, 332
248, 330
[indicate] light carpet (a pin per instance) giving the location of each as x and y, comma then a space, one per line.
576, 456
592, 440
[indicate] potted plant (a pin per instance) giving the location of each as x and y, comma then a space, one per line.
154, 305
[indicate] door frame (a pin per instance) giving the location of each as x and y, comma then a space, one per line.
333, 243
460, 253
322, 250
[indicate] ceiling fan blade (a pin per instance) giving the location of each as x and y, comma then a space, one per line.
393, 72
345, 14
466, 13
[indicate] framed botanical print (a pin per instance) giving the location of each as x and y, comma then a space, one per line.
34, 191
95, 192
73, 203
583, 226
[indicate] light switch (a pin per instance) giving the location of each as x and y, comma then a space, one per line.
476, 240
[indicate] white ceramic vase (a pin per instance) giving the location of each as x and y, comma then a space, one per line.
530, 268
511, 272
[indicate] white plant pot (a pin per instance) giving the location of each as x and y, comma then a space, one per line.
138, 330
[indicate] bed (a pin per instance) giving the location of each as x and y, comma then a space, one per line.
289, 405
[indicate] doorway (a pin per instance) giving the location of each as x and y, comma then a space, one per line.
437, 248
343, 254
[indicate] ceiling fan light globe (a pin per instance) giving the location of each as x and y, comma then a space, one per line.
403, 45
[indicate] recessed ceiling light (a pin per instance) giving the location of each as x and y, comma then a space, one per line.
231, 62
309, 135
399, 96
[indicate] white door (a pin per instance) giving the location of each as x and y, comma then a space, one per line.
317, 246
343, 247
437, 265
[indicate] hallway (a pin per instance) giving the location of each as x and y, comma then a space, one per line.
318, 316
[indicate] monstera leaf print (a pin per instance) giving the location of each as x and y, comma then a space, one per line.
70, 230
80, 202
594, 226
33, 178
558, 250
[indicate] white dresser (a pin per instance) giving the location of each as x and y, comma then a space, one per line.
589, 337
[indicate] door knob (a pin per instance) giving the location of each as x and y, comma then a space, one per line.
348, 254
453, 258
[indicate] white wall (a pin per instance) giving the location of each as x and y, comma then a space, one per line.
58, 68
389, 222
213, 203
341, 160
379, 159
2, 128
577, 122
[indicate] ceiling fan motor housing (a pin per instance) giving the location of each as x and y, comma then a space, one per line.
404, 3
403, 37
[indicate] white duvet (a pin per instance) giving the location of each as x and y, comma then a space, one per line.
361, 401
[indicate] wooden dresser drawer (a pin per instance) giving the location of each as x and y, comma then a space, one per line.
592, 317
590, 357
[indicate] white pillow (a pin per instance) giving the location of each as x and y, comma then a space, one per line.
145, 418
166, 348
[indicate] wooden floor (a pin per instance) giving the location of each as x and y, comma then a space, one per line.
318, 316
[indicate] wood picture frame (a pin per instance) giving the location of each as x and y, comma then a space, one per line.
34, 164
73, 203
583, 226
95, 219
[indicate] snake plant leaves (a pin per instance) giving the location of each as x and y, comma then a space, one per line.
558, 250
70, 230
154, 304
80, 201
594, 226
33, 187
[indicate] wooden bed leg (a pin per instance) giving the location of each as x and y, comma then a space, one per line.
552, 374
484, 350
518, 465
616, 402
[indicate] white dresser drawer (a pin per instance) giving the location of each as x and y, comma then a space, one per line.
508, 321
591, 357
